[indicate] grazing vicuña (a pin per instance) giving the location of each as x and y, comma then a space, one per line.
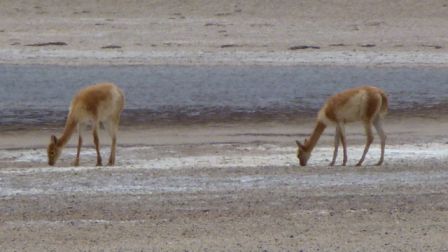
99, 103
366, 104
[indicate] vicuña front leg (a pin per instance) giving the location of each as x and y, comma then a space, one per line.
341, 129
369, 140
78, 153
337, 137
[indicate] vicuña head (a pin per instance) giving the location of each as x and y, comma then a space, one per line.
53, 150
302, 153
95, 104
366, 104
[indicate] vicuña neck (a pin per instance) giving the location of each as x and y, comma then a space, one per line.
317, 132
69, 129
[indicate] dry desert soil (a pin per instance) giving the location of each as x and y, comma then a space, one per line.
227, 186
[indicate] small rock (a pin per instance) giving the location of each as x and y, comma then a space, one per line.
302, 47
57, 43
111, 47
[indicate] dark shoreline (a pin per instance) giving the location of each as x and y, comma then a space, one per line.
148, 118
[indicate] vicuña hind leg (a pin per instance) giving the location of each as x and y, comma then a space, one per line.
96, 141
112, 130
379, 128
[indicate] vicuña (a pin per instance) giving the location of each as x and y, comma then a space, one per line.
366, 104
95, 104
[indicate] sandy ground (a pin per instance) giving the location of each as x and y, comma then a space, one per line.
405, 32
227, 187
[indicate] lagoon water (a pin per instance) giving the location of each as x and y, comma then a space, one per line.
34, 95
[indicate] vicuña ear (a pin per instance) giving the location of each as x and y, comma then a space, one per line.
299, 144
54, 139
306, 140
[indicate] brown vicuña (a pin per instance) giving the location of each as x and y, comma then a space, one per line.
366, 104
95, 104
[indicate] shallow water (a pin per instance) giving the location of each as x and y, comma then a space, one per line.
40, 95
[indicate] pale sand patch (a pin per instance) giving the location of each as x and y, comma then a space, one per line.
230, 156
77, 57
342, 32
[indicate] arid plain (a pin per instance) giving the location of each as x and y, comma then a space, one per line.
227, 186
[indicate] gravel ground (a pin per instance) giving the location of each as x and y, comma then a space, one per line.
241, 190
